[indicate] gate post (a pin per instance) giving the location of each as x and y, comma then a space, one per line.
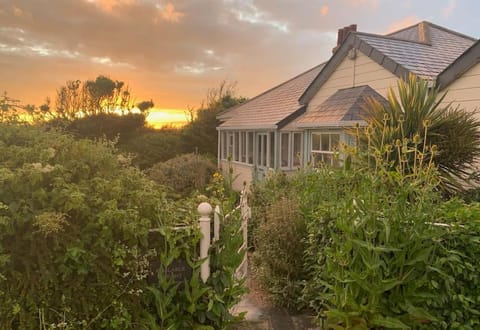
205, 209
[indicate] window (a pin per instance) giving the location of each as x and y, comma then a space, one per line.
291, 155
243, 147
236, 149
266, 150
223, 141
284, 149
297, 150
229, 145
271, 143
325, 148
250, 147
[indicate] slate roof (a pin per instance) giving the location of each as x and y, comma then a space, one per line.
271, 108
426, 55
424, 49
341, 109
460, 66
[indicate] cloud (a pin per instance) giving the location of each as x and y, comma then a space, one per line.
196, 68
110, 5
449, 9
247, 11
324, 10
403, 23
17, 11
175, 50
169, 13
373, 4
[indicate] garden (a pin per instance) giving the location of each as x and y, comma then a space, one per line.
89, 242
92, 239
391, 239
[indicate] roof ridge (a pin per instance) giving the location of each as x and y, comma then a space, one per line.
385, 36
451, 31
430, 24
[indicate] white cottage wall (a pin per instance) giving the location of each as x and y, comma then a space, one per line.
351, 73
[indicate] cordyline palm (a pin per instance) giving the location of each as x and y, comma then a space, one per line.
415, 120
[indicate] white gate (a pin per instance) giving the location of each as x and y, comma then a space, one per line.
205, 210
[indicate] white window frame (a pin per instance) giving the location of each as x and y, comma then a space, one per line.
330, 155
291, 156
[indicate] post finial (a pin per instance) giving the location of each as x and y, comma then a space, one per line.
204, 209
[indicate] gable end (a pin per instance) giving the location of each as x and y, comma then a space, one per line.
466, 61
352, 42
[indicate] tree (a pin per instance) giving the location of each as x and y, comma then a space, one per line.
417, 119
92, 97
200, 134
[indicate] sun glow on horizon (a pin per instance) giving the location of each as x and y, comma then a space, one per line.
159, 118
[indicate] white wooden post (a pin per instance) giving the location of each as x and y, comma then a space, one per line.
205, 209
216, 224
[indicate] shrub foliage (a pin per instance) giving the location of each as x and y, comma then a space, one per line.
184, 174
383, 250
80, 232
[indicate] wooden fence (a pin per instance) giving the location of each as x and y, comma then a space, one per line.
205, 210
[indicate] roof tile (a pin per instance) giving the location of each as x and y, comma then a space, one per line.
269, 108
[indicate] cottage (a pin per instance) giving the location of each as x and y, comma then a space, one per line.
304, 119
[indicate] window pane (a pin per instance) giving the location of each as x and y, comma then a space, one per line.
236, 147
250, 147
284, 137
243, 147
315, 141
230, 146
335, 141
264, 151
325, 142
224, 142
297, 149
271, 163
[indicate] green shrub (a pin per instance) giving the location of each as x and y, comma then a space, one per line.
279, 264
81, 232
184, 174
386, 253
415, 112
73, 231
153, 146
262, 195
382, 248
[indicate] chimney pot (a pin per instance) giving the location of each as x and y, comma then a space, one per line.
343, 34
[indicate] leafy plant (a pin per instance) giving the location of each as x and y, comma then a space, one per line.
192, 304
74, 223
415, 113
279, 266
81, 234
183, 174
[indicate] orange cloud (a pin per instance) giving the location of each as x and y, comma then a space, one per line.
403, 23
109, 5
324, 10
364, 3
170, 14
17, 11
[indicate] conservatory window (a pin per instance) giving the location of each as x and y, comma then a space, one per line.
325, 148
290, 150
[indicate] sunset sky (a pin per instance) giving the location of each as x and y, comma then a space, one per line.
174, 51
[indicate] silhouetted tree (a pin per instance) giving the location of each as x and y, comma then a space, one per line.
200, 135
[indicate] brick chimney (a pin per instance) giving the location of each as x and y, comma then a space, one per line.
343, 34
